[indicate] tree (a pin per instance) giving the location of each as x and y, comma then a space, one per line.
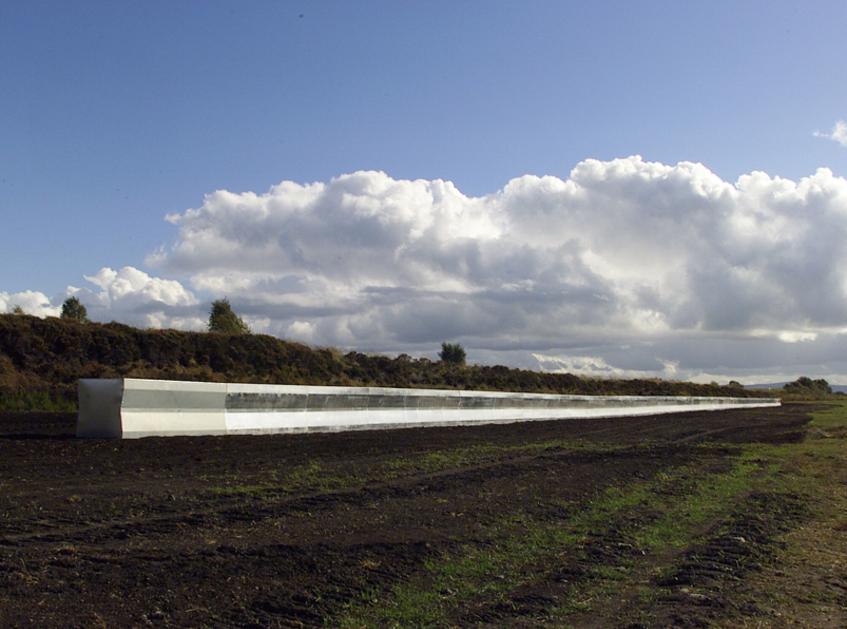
805, 384
17, 310
73, 310
452, 353
222, 319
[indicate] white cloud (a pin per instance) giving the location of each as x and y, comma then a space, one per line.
132, 296
838, 133
623, 267
127, 295
619, 249
31, 302
131, 285
301, 331
787, 336
597, 366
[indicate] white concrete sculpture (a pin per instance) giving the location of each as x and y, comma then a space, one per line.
131, 408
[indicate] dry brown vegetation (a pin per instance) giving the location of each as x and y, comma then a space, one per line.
41, 361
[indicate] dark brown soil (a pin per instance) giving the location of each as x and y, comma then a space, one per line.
281, 531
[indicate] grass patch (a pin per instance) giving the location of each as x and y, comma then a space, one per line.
666, 513
710, 497
315, 476
437, 461
806, 583
806, 469
37, 401
518, 545
680, 519
310, 476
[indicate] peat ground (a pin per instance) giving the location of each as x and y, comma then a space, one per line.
712, 518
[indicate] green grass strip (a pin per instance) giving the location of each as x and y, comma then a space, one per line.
682, 522
711, 497
519, 545
793, 468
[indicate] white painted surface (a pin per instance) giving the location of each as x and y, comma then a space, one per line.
133, 408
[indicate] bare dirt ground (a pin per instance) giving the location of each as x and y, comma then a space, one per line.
650, 521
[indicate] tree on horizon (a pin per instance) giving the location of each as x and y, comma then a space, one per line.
73, 310
223, 319
452, 353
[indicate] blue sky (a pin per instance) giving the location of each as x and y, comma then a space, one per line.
115, 114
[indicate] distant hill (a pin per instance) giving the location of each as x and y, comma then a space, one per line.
770, 385
41, 361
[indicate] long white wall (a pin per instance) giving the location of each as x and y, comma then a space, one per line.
132, 408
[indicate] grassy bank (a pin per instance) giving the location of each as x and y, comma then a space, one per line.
41, 361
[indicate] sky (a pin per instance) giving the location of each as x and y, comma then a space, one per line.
609, 188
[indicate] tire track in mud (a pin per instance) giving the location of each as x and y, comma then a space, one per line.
698, 589
578, 542
342, 560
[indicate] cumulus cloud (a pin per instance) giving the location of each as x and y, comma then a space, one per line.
127, 295
624, 267
131, 285
620, 249
132, 296
31, 302
301, 331
838, 133
599, 367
